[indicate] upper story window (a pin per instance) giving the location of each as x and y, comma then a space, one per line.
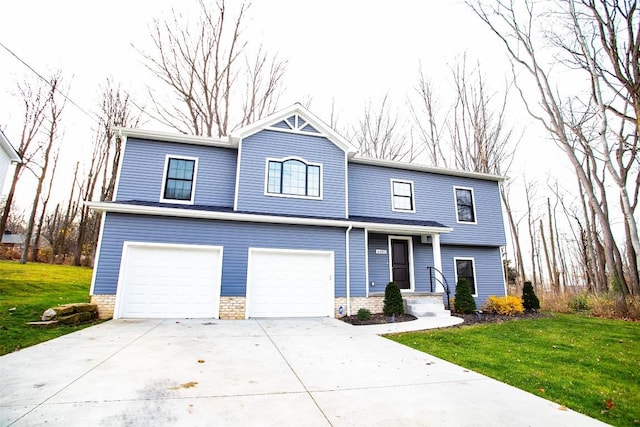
402, 199
294, 178
179, 179
465, 206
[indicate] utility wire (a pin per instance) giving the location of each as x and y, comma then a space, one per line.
92, 116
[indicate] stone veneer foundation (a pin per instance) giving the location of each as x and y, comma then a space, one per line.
373, 303
234, 308
106, 304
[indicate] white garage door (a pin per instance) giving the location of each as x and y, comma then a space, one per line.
173, 281
289, 283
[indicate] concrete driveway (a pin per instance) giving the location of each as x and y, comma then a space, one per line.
302, 372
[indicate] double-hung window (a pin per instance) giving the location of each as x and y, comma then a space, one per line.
466, 270
465, 207
179, 179
294, 177
402, 199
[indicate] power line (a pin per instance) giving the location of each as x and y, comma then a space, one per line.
92, 116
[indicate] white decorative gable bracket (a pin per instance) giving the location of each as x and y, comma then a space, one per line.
294, 123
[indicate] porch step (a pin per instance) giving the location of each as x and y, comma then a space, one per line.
430, 306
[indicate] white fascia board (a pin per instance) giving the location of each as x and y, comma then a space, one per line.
14, 157
270, 219
173, 137
311, 118
425, 168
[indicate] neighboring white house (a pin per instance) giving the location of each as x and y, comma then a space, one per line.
8, 155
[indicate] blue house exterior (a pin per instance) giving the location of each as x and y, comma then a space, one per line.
283, 219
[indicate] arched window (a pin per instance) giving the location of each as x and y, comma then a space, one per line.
293, 177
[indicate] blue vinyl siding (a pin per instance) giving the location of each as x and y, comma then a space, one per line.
358, 278
256, 148
235, 237
379, 263
370, 195
488, 269
141, 176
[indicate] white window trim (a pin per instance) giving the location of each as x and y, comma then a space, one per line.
413, 196
473, 202
409, 239
291, 196
164, 179
473, 263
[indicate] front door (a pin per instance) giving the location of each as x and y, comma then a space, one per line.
400, 263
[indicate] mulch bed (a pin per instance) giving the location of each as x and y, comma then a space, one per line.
377, 319
474, 319
469, 319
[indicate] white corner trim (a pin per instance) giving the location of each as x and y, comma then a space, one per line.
97, 258
238, 166
123, 151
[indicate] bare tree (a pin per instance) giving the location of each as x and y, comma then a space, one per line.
35, 101
473, 131
202, 65
581, 128
380, 134
100, 179
52, 117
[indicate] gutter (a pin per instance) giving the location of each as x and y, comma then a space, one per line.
271, 219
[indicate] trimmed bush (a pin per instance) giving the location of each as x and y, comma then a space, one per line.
530, 301
393, 303
579, 302
364, 314
464, 302
508, 306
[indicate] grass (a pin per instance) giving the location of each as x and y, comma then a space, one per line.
27, 290
586, 364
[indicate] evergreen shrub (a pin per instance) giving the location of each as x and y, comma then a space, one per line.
393, 303
464, 302
530, 301
364, 314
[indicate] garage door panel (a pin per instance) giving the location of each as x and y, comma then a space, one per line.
169, 281
289, 283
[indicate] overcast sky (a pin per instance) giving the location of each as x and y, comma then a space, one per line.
348, 52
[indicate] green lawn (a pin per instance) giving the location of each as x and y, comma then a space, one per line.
28, 290
589, 365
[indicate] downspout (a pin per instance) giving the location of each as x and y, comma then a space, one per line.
348, 265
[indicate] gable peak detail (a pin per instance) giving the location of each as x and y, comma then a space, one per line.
295, 123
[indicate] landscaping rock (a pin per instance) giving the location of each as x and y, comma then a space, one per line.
75, 318
85, 306
65, 309
49, 314
44, 324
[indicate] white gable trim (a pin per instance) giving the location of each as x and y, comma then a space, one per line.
13, 155
295, 109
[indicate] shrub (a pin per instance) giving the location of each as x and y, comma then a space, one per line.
530, 301
364, 314
579, 302
508, 305
393, 303
464, 302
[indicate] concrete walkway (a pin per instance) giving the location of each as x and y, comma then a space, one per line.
287, 372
